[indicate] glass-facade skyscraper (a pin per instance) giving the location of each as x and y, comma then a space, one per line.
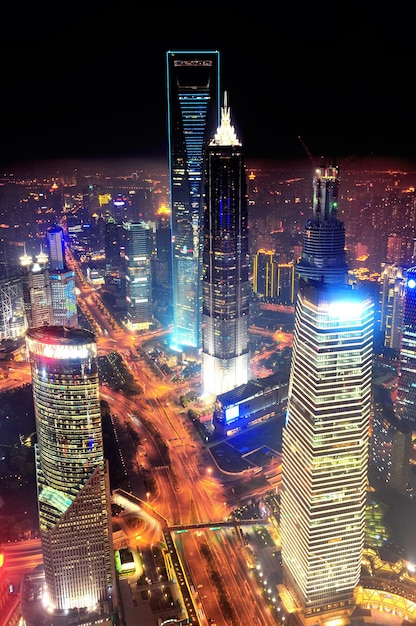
225, 277
72, 474
405, 405
325, 443
138, 276
193, 88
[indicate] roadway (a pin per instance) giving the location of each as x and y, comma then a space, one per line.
189, 490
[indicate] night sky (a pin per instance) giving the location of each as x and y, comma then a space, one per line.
89, 80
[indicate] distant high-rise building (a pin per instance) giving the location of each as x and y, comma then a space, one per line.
62, 280
37, 295
56, 248
390, 315
163, 261
390, 450
405, 405
138, 276
72, 475
225, 279
325, 443
13, 322
64, 300
273, 281
113, 236
394, 249
193, 116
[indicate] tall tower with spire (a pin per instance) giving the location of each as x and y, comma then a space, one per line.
225, 281
323, 255
325, 441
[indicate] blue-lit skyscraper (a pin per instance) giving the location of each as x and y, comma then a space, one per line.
56, 248
405, 405
225, 281
62, 281
325, 443
193, 88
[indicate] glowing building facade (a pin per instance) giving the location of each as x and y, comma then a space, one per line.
392, 290
325, 442
405, 405
138, 276
323, 253
193, 117
225, 281
72, 475
56, 247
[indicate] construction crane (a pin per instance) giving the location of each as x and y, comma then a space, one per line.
308, 152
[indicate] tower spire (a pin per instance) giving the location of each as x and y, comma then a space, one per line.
225, 135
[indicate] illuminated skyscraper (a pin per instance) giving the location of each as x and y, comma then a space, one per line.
138, 276
225, 281
12, 313
56, 247
405, 405
37, 295
72, 475
193, 117
62, 281
323, 254
326, 436
392, 289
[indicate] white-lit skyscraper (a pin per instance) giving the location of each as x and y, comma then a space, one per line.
72, 474
225, 279
325, 445
138, 276
193, 117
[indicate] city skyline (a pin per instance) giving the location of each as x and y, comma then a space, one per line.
327, 206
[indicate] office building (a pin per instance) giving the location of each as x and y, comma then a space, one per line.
391, 450
273, 281
225, 278
62, 280
12, 313
193, 117
325, 442
37, 296
72, 475
163, 256
114, 262
138, 276
56, 247
64, 299
390, 315
249, 404
405, 405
